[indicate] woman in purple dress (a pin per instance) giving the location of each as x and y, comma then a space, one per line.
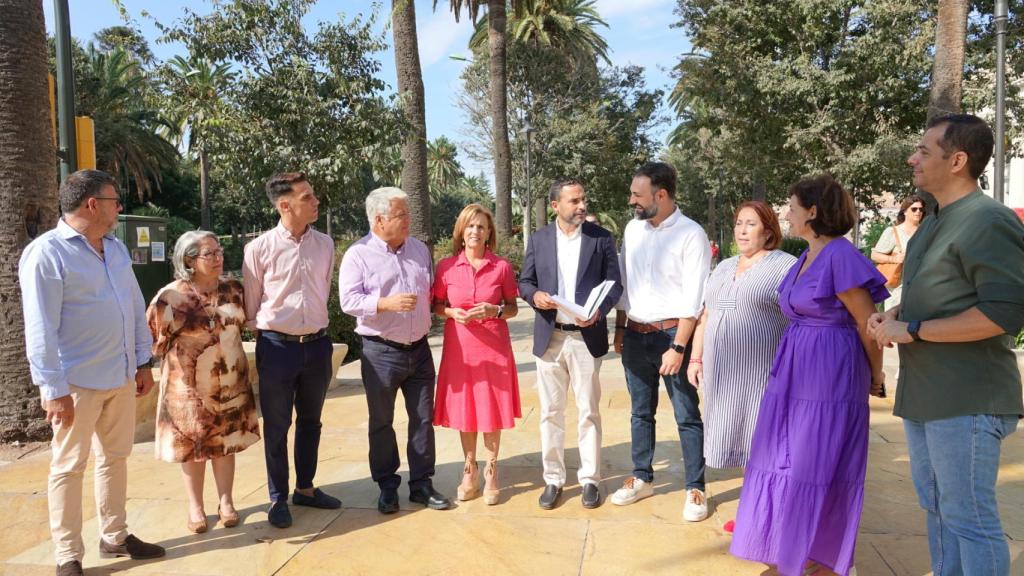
803, 489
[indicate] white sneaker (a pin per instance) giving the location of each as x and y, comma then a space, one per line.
696, 508
632, 490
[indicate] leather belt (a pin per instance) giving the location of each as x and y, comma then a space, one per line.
301, 339
644, 328
394, 344
567, 327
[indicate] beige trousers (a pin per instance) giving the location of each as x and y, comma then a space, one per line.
104, 419
567, 362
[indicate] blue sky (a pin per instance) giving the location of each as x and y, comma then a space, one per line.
638, 33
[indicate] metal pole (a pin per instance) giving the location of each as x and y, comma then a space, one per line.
1001, 16
529, 191
67, 149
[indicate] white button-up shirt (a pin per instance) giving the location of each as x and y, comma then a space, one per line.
568, 256
664, 269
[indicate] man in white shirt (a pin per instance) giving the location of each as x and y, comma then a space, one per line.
569, 258
665, 261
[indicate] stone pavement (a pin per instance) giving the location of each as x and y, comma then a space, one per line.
514, 537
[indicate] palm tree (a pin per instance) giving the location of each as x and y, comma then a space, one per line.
496, 46
195, 88
565, 25
948, 68
128, 139
28, 199
443, 167
410, 90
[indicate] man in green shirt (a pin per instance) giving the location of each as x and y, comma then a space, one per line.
959, 389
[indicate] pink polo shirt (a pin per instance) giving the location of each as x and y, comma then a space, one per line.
287, 280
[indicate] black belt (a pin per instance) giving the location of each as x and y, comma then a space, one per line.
567, 327
294, 338
394, 344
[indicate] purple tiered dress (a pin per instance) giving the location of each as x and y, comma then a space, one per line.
803, 489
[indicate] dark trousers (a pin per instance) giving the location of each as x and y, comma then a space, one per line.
295, 376
641, 358
386, 370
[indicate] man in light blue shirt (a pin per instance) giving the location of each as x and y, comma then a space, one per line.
87, 341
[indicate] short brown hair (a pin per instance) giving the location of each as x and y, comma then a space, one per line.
282, 183
768, 219
968, 134
836, 212
467, 214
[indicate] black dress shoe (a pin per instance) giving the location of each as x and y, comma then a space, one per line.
387, 503
133, 548
317, 500
279, 515
591, 496
549, 499
430, 498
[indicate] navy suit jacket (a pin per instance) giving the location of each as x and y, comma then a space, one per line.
598, 262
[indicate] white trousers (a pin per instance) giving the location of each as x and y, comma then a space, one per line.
565, 363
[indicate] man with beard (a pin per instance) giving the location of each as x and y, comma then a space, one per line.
665, 261
569, 258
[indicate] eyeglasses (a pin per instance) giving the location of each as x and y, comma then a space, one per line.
212, 255
117, 200
916, 209
399, 216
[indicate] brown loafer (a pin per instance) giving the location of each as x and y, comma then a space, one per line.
133, 548
228, 520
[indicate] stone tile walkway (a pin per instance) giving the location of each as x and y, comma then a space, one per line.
515, 537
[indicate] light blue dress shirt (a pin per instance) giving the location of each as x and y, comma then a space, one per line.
85, 319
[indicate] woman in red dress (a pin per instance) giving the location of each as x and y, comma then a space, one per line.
477, 386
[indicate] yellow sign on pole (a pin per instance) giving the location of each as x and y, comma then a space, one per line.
85, 138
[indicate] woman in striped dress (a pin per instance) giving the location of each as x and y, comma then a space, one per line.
736, 336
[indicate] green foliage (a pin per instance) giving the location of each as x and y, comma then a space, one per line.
784, 89
568, 26
791, 245
1018, 342
874, 232
309, 101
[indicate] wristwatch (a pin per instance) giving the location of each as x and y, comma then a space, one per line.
913, 327
146, 364
678, 348
501, 310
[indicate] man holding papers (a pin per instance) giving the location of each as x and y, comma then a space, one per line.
570, 260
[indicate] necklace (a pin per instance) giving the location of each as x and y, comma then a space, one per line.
212, 317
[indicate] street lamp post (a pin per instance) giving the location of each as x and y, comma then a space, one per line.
67, 146
1001, 16
528, 197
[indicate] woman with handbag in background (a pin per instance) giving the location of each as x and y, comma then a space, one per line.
892, 245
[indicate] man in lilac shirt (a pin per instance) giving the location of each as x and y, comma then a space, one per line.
287, 277
384, 282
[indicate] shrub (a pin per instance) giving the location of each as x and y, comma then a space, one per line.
342, 327
793, 245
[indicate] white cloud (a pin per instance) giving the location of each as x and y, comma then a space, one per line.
608, 8
439, 35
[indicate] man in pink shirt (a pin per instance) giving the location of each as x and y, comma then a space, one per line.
287, 276
384, 281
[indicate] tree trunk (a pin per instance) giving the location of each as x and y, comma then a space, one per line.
948, 68
28, 200
712, 217
204, 191
540, 213
496, 44
410, 90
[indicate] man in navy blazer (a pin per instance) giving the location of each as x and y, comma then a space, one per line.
568, 258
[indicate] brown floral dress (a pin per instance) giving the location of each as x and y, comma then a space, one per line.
206, 407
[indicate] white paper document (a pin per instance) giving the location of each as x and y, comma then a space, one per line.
585, 312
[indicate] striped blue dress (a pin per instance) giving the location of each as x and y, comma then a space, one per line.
742, 332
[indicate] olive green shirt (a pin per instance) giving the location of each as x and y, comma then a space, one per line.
971, 254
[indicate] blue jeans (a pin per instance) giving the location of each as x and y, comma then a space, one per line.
641, 358
954, 463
